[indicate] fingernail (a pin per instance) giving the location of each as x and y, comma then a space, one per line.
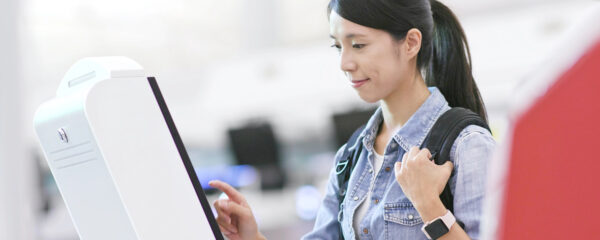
223, 196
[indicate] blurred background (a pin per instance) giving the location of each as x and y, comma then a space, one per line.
235, 73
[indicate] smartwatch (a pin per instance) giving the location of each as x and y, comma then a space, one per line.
436, 228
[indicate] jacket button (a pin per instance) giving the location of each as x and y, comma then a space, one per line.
376, 201
355, 198
366, 231
387, 169
410, 216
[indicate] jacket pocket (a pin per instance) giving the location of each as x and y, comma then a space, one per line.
403, 213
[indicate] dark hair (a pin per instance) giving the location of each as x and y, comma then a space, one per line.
444, 56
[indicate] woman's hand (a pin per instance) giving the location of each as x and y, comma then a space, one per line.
421, 180
235, 217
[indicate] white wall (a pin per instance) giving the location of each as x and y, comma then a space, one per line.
217, 67
16, 168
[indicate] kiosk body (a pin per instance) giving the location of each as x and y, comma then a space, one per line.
117, 158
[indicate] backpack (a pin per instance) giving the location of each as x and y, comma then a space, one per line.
439, 141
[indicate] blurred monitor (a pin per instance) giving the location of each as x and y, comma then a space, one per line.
346, 123
255, 145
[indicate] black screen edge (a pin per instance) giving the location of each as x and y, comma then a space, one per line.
185, 158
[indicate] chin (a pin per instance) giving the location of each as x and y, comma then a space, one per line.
368, 98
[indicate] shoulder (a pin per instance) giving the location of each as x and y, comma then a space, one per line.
474, 131
472, 142
339, 153
352, 143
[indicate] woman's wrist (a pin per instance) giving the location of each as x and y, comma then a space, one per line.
430, 209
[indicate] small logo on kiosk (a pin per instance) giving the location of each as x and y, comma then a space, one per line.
63, 135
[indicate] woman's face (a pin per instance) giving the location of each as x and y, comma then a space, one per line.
372, 60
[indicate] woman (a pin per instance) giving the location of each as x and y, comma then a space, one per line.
390, 51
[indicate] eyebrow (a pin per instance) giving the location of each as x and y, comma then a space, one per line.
350, 35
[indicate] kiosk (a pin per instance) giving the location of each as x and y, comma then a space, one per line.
117, 158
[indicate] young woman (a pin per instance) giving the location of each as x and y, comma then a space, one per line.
390, 51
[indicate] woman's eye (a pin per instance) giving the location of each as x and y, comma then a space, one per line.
358, 46
336, 46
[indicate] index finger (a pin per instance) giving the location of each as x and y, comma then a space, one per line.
229, 190
412, 153
424, 154
427, 152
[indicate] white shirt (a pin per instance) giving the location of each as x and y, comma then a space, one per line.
364, 206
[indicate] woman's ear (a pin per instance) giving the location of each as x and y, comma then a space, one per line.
412, 42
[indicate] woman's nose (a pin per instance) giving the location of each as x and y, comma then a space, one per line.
347, 63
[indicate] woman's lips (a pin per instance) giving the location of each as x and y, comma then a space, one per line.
358, 83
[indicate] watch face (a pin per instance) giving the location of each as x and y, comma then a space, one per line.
436, 229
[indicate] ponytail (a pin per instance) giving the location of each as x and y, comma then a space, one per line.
449, 68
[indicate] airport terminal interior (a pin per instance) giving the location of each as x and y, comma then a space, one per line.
253, 87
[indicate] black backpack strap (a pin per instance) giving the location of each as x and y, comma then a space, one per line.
441, 138
344, 168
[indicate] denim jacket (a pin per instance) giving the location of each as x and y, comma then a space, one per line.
390, 214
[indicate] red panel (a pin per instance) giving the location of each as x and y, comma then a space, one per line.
553, 185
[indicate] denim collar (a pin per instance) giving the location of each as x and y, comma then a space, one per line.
416, 128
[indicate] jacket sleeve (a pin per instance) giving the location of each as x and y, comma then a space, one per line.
326, 224
471, 153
